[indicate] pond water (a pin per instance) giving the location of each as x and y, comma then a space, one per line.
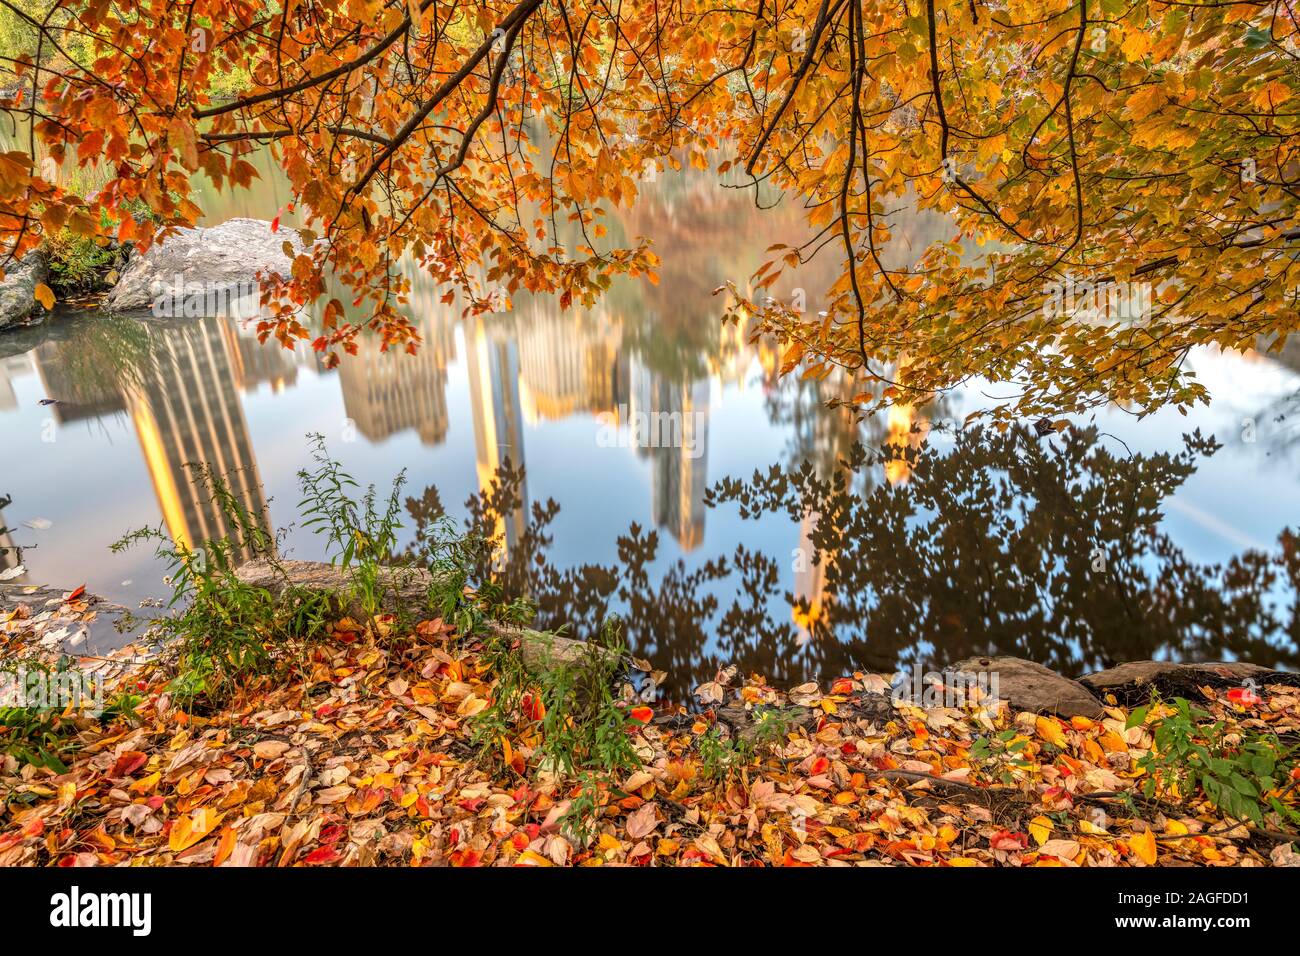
1077, 550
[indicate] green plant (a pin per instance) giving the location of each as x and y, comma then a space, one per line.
42, 731
582, 725
998, 754
361, 535
79, 264
1238, 769
226, 629
721, 756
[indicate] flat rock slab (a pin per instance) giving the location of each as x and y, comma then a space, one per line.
1032, 687
405, 589
1134, 682
215, 258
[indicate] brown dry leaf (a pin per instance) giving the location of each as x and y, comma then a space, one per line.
642, 822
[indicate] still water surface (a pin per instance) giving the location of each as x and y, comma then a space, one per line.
912, 561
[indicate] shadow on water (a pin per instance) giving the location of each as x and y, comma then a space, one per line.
1003, 543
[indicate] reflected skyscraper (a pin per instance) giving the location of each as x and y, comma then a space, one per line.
255, 363
387, 392
64, 376
569, 363
670, 426
13, 367
187, 409
493, 363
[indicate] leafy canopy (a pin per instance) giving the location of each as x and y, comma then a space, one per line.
1143, 145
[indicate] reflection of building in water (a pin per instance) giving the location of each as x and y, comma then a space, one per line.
11, 368
734, 355
569, 363
898, 471
81, 395
809, 582
670, 426
493, 362
254, 363
389, 392
187, 409
825, 430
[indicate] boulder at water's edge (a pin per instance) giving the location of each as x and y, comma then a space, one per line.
18, 290
214, 257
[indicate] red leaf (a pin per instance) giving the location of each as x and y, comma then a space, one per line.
1006, 840
642, 714
465, 858
128, 763
532, 706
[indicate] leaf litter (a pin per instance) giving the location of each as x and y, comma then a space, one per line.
367, 759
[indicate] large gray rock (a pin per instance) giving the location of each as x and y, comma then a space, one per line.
1150, 672
216, 263
18, 290
1133, 683
1032, 687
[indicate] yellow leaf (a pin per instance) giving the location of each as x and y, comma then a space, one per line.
44, 295
146, 784
1143, 846
1113, 742
1040, 828
1049, 728
188, 831
608, 842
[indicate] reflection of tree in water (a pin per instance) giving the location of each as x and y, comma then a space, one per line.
1007, 544
1048, 550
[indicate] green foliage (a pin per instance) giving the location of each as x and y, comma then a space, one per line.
227, 629
1237, 768
36, 736
1000, 754
44, 736
230, 84
361, 535
583, 725
18, 37
721, 756
79, 264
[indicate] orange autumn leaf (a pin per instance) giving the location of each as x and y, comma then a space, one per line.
1143, 846
189, 830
